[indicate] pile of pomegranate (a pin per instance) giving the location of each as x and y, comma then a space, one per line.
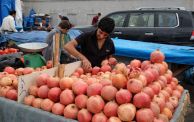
141, 91
9, 79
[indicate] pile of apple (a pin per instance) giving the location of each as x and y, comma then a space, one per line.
139, 91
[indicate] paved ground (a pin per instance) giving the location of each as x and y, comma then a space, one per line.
190, 115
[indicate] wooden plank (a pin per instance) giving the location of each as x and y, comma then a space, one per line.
56, 49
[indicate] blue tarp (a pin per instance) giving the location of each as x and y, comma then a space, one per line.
142, 50
5, 7
32, 36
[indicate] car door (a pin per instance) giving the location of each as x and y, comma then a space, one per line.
138, 25
166, 26
120, 19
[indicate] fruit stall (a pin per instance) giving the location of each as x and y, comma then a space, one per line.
137, 91
129, 90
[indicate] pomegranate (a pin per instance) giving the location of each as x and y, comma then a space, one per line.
42, 79
135, 63
94, 89
105, 68
145, 64
134, 85
180, 88
149, 91
123, 96
43, 91
112, 61
174, 101
155, 109
95, 70
99, 117
28, 100
12, 94
66, 83
157, 56
37, 102
33, 90
53, 82
105, 82
110, 109
126, 112
176, 93
108, 93
19, 71
95, 104
79, 87
141, 100
58, 109
84, 116
54, 94
66, 97
163, 117
114, 119
71, 111
104, 62
81, 101
47, 105
27, 70
9, 70
80, 71
144, 115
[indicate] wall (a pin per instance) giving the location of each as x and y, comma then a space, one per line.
81, 12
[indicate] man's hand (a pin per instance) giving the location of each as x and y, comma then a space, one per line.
86, 65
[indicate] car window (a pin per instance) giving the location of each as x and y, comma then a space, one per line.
141, 20
119, 19
167, 20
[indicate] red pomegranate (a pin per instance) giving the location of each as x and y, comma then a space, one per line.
71, 111
95, 104
141, 100
134, 85
47, 105
108, 93
94, 89
110, 109
66, 83
43, 91
81, 101
126, 112
99, 117
58, 109
123, 96
84, 116
144, 115
66, 97
79, 87
157, 56
54, 94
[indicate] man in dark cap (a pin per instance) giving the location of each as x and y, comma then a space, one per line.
95, 46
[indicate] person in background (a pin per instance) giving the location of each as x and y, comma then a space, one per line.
43, 25
95, 19
8, 24
62, 28
95, 46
